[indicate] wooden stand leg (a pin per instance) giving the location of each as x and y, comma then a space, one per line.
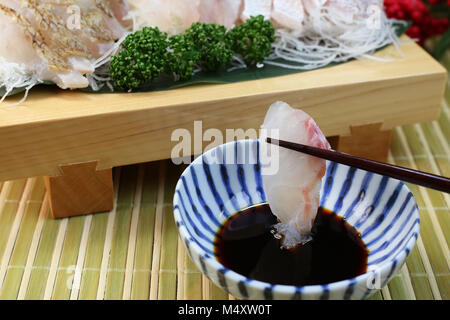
80, 189
367, 141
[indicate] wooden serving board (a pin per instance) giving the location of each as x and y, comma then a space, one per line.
55, 127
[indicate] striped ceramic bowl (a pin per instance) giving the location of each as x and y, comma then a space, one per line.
382, 209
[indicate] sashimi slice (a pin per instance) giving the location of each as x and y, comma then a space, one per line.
224, 12
57, 41
288, 14
293, 191
173, 16
253, 8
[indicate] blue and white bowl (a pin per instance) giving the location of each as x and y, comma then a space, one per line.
382, 209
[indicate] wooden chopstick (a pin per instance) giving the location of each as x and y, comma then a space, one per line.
413, 176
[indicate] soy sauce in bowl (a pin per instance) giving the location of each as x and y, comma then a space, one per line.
245, 243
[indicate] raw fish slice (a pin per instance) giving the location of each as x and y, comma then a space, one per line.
16, 51
224, 12
173, 16
335, 17
254, 8
288, 14
79, 27
345, 10
312, 5
293, 192
314, 15
24, 47
47, 47
334, 31
350, 12
15, 45
121, 10
115, 10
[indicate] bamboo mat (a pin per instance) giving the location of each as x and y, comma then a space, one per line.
134, 252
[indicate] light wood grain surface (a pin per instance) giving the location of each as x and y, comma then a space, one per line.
55, 127
80, 189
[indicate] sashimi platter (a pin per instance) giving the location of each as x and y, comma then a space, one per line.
135, 45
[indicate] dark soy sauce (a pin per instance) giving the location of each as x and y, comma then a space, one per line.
246, 245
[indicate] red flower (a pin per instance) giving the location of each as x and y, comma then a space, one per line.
413, 32
424, 25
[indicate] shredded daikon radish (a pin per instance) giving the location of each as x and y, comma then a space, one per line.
328, 37
332, 31
237, 63
12, 76
100, 77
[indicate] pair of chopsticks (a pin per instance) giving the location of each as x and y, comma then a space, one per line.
413, 176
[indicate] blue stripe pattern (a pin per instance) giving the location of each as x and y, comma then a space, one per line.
382, 209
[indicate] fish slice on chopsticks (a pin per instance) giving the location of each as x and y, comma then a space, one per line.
408, 175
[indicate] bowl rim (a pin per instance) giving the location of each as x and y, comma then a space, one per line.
213, 263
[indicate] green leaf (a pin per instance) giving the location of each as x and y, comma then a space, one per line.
442, 46
441, 9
